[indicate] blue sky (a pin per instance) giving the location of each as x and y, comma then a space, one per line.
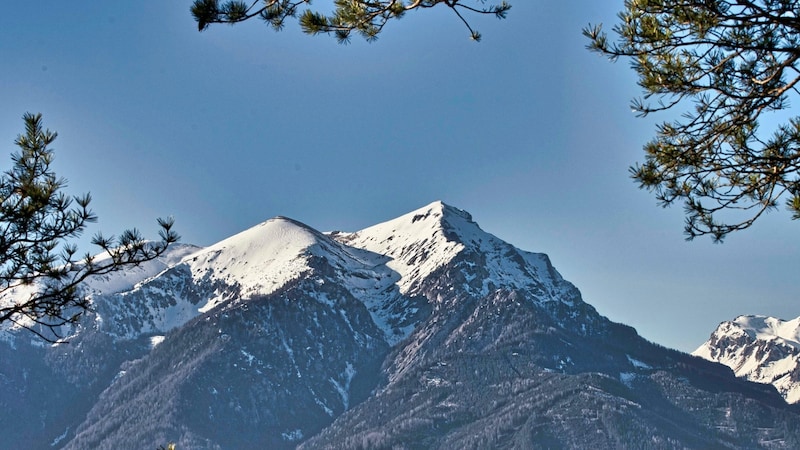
527, 130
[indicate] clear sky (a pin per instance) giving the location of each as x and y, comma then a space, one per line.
527, 130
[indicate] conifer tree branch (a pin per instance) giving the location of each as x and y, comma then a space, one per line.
40, 274
725, 65
367, 17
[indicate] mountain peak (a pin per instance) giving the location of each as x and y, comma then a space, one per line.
759, 348
417, 242
423, 240
440, 210
770, 328
265, 241
260, 259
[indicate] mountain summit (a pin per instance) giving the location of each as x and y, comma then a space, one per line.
761, 349
420, 332
429, 238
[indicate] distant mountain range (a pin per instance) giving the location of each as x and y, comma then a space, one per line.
420, 332
761, 349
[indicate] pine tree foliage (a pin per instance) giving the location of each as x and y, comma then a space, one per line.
725, 65
37, 223
365, 17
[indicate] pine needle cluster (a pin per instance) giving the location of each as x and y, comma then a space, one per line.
364, 17
38, 223
725, 65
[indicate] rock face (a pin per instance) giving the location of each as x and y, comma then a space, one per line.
421, 332
761, 349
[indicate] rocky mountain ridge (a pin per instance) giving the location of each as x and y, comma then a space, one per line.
761, 349
420, 332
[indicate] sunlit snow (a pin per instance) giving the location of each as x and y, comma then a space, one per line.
766, 350
382, 266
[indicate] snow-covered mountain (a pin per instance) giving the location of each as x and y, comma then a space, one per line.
103, 285
761, 349
420, 332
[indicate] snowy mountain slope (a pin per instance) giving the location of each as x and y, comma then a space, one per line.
124, 280
254, 263
761, 349
420, 332
424, 240
107, 284
512, 357
260, 373
424, 244
258, 260
283, 305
